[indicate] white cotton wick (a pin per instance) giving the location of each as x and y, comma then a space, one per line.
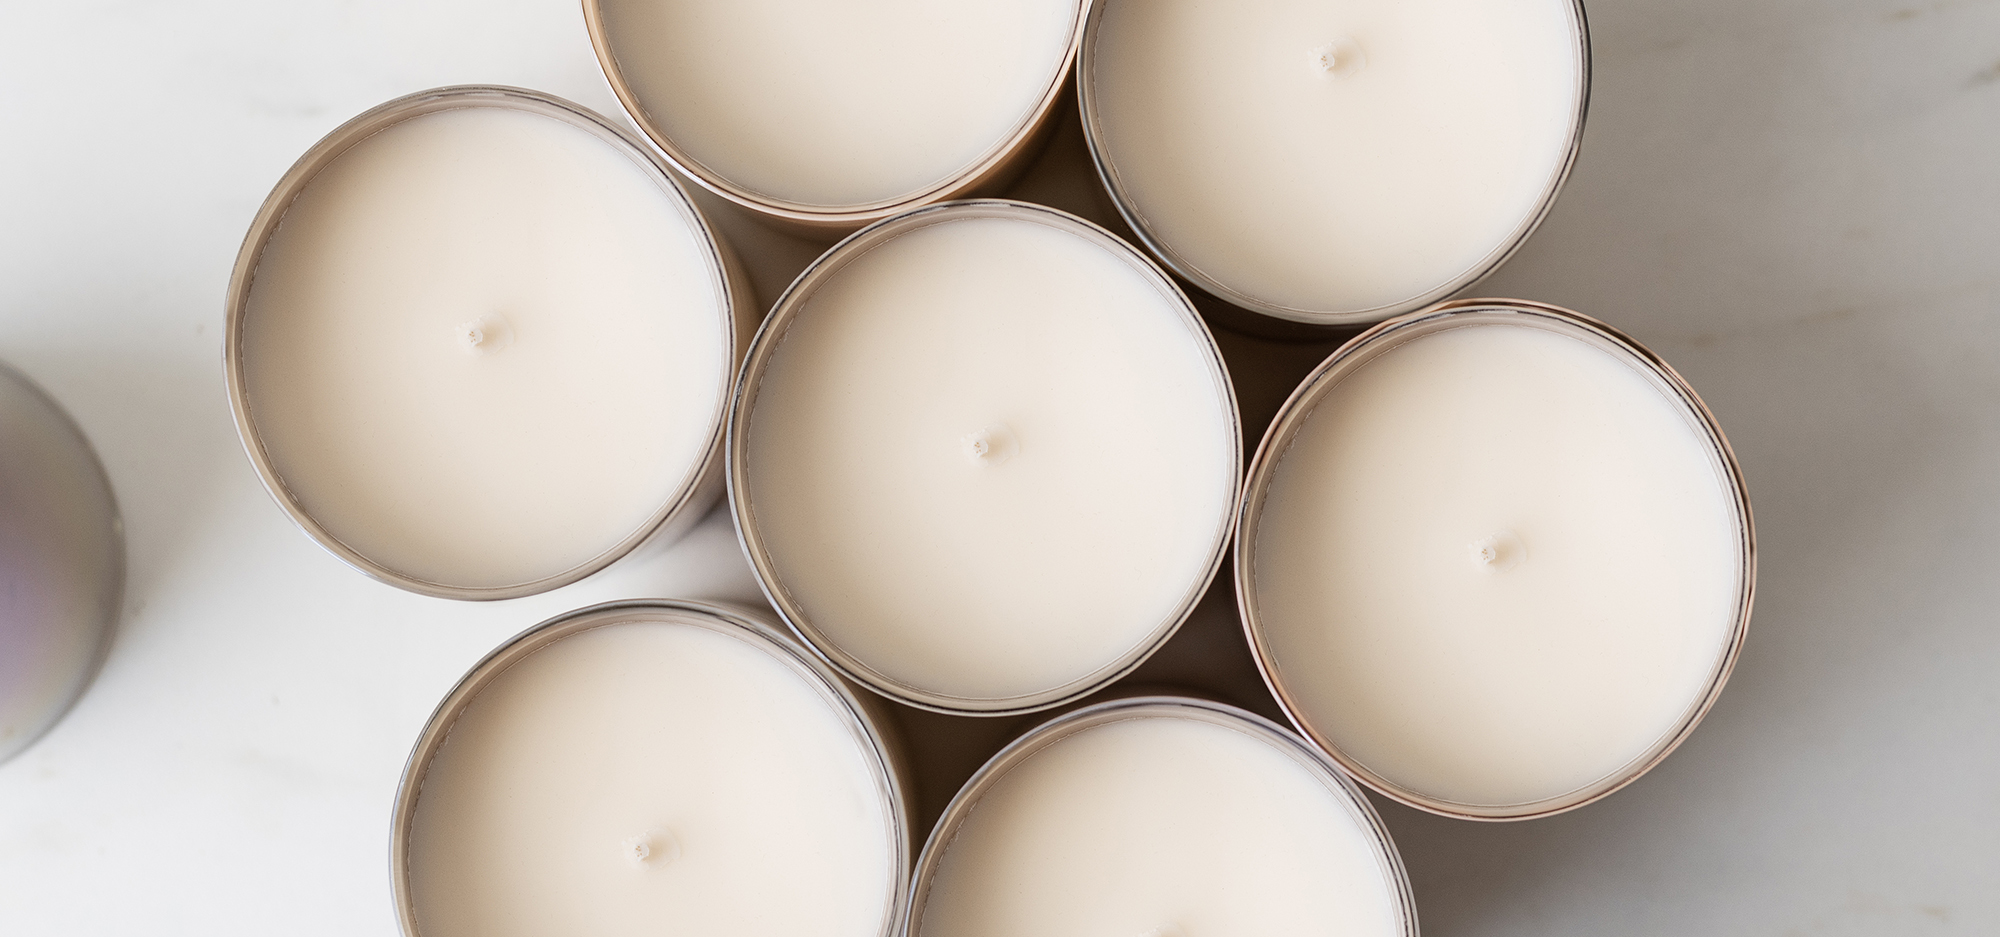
651, 849
990, 446
1499, 553
1338, 59
485, 335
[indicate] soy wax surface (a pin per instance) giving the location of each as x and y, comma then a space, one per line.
484, 347
1496, 564
839, 104
1160, 827
1335, 156
989, 457
650, 777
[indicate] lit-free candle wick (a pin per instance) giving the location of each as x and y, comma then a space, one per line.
652, 848
486, 335
990, 446
1499, 552
1339, 58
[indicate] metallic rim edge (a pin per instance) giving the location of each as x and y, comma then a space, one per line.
764, 345
731, 290
853, 709
1298, 406
1107, 174
994, 162
1389, 860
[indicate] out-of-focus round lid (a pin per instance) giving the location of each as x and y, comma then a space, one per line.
62, 562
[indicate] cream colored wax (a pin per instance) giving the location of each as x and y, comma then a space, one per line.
1160, 827
1497, 565
485, 347
991, 457
839, 105
1332, 157
651, 777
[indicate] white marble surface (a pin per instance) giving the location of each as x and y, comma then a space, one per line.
1798, 204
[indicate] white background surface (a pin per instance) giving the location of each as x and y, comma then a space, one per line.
1797, 204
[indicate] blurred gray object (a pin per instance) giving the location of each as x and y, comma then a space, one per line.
62, 562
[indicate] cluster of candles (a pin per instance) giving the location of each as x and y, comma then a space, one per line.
1493, 558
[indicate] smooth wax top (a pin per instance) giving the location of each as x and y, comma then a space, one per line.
990, 456
1496, 565
838, 105
651, 776
1157, 826
485, 347
1333, 158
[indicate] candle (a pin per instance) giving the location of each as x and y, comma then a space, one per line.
62, 562
984, 457
480, 344
835, 115
647, 766
1164, 817
1334, 162
1496, 558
